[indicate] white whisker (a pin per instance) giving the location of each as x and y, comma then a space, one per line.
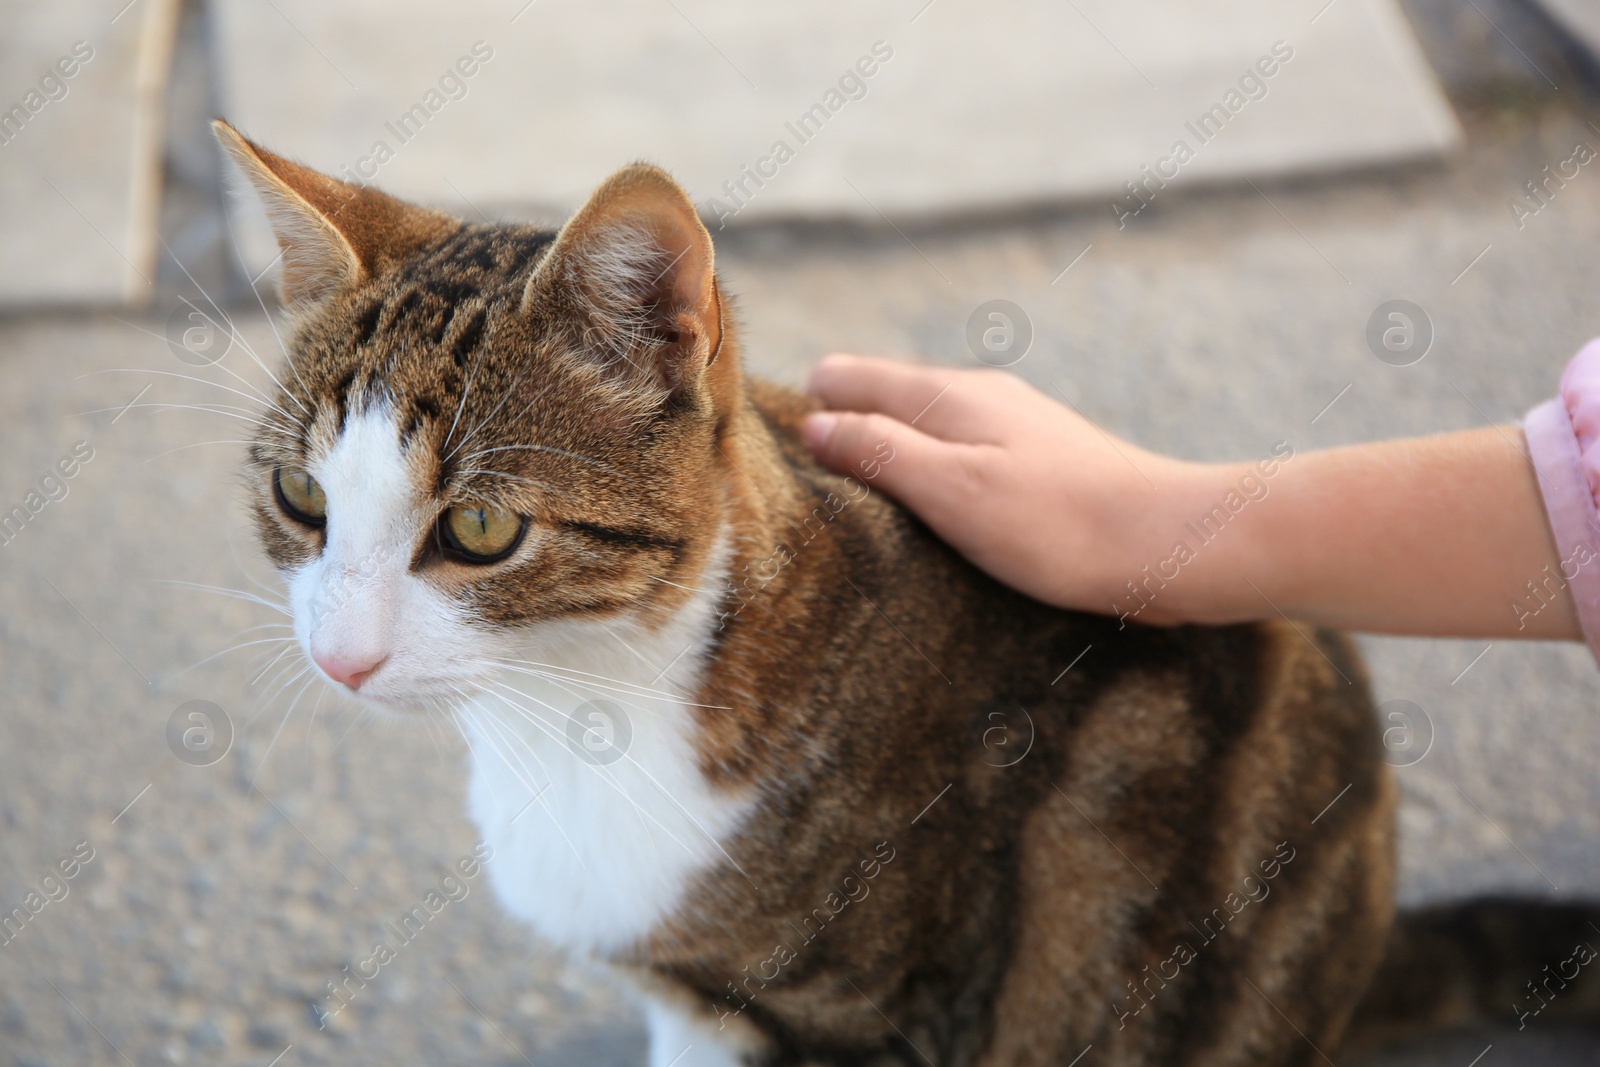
192, 444
314, 707
526, 666
289, 674
513, 477
209, 409
238, 594
526, 775
485, 420
664, 791
233, 648
290, 711
461, 403
608, 778
686, 588
539, 793
232, 330
254, 396
559, 683
361, 717
244, 268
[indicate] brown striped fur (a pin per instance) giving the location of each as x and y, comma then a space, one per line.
1084, 877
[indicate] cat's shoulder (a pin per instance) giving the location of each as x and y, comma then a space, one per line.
781, 406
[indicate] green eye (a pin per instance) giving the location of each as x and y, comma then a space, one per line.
480, 533
300, 496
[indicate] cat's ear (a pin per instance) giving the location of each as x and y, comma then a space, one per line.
635, 263
334, 235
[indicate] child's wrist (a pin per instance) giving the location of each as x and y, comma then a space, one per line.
1218, 512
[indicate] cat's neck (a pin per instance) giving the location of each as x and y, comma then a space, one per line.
797, 537
619, 772
588, 774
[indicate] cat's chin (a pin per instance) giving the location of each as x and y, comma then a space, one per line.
403, 701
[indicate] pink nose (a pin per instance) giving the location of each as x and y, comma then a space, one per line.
348, 672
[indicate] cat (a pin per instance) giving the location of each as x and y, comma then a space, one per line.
748, 736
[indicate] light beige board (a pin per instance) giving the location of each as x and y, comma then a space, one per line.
980, 105
81, 100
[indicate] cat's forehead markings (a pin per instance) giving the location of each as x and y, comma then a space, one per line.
476, 260
390, 357
443, 304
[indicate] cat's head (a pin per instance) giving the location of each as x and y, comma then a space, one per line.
485, 435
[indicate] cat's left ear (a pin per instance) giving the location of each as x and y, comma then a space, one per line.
334, 235
635, 263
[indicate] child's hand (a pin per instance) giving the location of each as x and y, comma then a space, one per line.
1442, 535
1014, 480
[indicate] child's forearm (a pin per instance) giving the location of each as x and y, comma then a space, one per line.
1431, 535
1445, 535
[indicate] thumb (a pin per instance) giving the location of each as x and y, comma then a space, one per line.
879, 450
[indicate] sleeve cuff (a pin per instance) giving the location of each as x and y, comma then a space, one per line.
1558, 461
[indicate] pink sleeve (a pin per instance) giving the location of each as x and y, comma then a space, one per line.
1564, 444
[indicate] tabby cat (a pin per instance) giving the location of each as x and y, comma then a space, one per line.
744, 732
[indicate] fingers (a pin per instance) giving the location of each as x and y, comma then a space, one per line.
882, 451
857, 383
936, 400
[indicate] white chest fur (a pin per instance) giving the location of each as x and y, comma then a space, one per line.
587, 784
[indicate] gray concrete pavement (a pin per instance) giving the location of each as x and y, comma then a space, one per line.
1216, 323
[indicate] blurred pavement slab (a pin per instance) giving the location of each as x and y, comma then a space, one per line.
965, 107
81, 149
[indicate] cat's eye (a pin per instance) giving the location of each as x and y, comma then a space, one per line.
300, 496
480, 533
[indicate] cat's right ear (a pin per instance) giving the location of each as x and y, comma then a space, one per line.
334, 236
635, 265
